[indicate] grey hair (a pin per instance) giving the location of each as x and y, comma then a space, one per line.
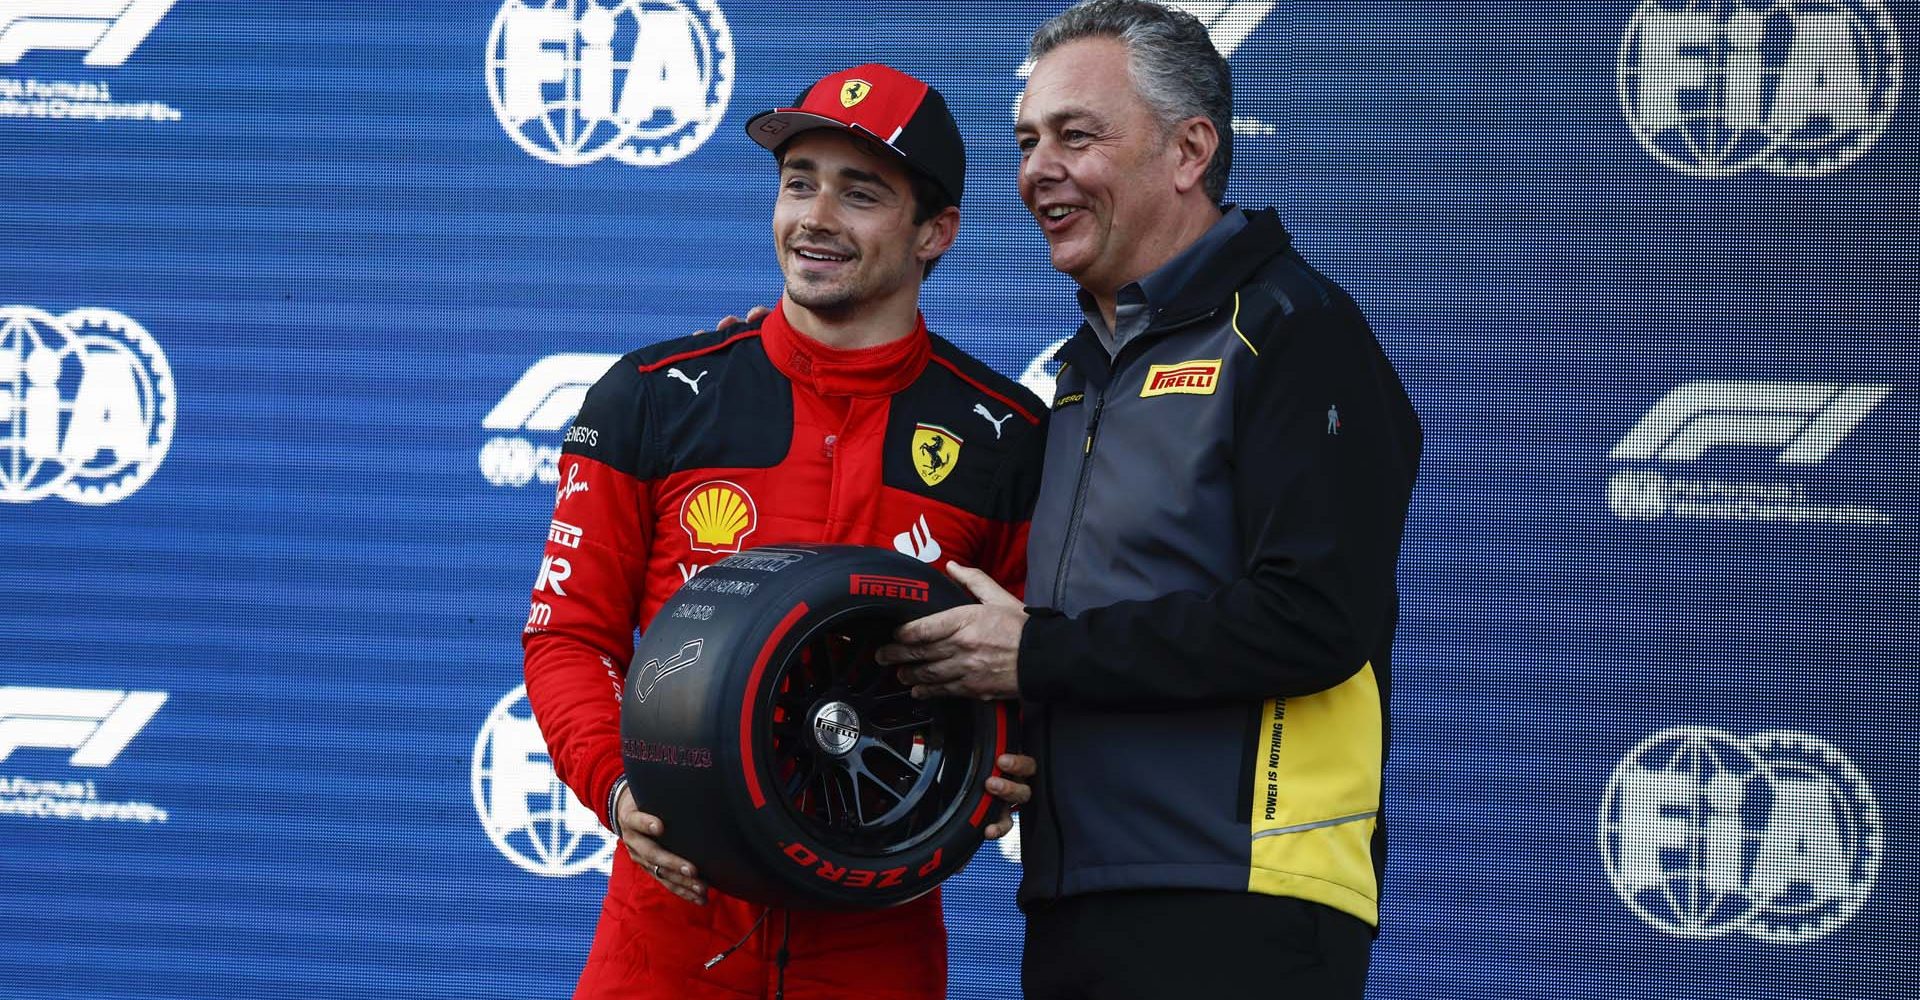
1174, 67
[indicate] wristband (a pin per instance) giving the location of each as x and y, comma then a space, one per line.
613, 804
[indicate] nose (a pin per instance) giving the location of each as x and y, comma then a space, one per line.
1041, 166
819, 216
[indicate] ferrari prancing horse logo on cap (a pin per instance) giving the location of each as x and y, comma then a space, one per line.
853, 92
936, 451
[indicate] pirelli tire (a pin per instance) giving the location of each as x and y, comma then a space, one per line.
786, 764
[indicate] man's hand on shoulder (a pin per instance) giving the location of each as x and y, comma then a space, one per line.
757, 312
966, 652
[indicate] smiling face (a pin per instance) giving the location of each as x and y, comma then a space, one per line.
1097, 169
843, 225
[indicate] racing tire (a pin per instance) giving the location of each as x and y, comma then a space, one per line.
788, 766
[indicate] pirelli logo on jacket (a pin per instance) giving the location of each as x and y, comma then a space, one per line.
1192, 378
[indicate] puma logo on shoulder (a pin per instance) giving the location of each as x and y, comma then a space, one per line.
692, 383
981, 408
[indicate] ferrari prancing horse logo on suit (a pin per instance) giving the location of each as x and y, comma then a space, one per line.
936, 451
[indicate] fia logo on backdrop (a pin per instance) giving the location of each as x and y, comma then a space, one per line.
1776, 836
1797, 424
100, 34
527, 812
1799, 88
645, 82
86, 405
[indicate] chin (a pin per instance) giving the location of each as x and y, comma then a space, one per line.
820, 299
1069, 265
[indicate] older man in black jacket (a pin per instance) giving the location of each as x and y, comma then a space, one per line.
1228, 468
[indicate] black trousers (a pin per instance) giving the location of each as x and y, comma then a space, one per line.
1193, 945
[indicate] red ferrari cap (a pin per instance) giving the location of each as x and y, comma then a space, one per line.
884, 105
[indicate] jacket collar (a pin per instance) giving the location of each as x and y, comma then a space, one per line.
1214, 281
1248, 250
881, 370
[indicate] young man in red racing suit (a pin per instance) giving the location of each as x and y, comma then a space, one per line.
837, 418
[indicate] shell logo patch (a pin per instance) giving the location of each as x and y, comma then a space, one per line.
1192, 378
853, 92
718, 516
936, 451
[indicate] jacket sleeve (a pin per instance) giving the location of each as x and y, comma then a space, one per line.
1324, 453
586, 598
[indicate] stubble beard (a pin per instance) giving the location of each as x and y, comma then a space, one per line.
835, 300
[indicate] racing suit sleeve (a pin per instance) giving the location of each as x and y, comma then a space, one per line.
586, 599
1324, 454
1003, 555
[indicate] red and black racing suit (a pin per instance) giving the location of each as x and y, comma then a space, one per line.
693, 449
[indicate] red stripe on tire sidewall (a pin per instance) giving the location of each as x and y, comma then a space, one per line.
999, 747
752, 696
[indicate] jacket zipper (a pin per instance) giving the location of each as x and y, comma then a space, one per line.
1086, 451
1079, 498
1059, 587
1060, 577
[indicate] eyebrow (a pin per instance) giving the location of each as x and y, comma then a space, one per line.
850, 173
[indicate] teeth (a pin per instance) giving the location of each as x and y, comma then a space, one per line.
1061, 211
816, 255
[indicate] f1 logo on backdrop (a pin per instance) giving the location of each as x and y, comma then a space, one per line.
86, 405
528, 813
106, 30
1798, 423
1228, 24
96, 726
1793, 87
1777, 836
643, 81
544, 401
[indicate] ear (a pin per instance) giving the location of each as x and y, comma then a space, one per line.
937, 234
1194, 143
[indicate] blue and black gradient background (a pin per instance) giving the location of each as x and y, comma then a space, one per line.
348, 262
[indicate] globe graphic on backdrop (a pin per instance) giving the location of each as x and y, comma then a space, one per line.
34, 347
579, 59
86, 405
533, 819
1777, 836
1725, 783
1716, 87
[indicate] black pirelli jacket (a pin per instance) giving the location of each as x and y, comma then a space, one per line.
1212, 567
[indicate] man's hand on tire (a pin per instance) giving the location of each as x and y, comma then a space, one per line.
1013, 793
637, 830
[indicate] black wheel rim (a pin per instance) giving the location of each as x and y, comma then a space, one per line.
864, 766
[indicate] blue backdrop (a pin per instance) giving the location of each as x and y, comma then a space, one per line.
296, 297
